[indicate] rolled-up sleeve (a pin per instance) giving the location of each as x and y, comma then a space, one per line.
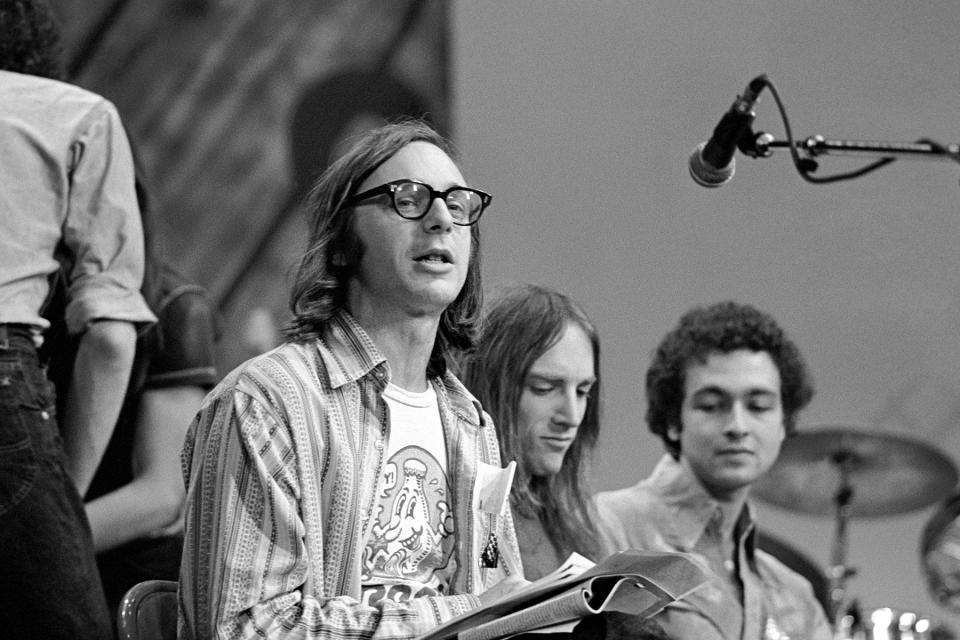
102, 229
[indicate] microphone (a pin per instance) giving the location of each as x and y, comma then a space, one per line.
712, 163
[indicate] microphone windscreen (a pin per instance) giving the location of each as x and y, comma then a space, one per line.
707, 175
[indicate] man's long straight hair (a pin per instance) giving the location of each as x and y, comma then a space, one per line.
333, 254
521, 325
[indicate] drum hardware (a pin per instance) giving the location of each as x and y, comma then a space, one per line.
838, 572
851, 472
885, 623
940, 554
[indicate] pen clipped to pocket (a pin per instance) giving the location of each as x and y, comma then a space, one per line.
490, 498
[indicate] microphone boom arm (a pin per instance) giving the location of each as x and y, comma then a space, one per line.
712, 163
817, 145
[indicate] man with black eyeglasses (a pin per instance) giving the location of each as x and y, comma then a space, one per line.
343, 484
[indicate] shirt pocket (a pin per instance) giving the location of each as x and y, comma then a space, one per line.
491, 493
22, 407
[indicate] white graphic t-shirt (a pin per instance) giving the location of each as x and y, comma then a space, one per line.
411, 537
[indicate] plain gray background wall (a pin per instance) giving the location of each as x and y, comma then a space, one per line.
579, 118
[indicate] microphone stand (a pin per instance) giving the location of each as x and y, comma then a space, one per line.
839, 571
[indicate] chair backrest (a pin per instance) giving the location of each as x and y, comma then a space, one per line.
149, 611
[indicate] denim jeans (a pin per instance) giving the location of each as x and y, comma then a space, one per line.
49, 585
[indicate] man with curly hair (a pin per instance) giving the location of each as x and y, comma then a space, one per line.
67, 202
723, 391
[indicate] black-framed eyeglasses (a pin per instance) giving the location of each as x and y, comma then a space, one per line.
412, 199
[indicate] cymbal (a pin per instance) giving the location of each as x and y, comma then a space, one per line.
886, 473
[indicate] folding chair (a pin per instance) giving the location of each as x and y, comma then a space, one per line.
148, 611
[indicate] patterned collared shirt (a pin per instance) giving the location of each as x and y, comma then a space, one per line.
670, 511
283, 464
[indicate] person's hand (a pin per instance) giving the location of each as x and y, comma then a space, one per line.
503, 588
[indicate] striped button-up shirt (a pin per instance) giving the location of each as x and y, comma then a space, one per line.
283, 464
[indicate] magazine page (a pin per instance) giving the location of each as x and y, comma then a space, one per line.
604, 593
565, 606
658, 577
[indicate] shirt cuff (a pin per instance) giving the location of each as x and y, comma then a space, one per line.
106, 302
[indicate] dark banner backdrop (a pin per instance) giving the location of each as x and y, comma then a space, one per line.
234, 107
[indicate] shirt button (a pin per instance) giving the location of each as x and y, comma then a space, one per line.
44, 415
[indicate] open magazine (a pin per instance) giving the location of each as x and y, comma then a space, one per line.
635, 582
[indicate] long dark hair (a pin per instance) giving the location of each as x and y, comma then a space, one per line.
30, 39
333, 252
521, 325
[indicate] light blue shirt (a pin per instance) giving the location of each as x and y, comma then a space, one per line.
67, 196
671, 511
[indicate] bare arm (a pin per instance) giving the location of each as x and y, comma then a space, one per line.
152, 503
97, 388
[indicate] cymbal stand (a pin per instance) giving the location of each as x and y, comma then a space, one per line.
839, 572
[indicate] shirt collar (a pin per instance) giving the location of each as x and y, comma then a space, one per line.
350, 355
693, 508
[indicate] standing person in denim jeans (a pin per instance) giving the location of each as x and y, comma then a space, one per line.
135, 500
66, 198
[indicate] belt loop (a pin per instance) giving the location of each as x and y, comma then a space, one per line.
4, 337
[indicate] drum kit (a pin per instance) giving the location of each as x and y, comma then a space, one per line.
852, 472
